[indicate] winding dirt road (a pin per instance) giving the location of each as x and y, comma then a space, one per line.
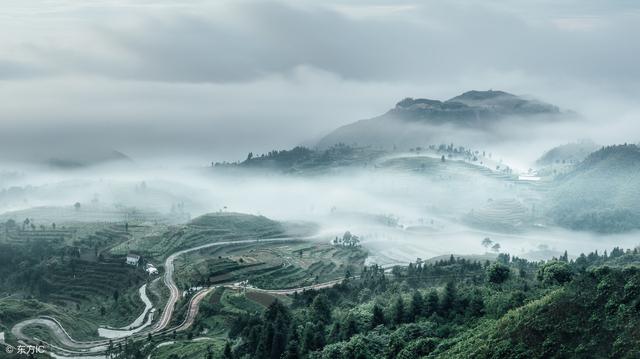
72, 348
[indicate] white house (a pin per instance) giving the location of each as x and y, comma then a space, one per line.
133, 259
151, 269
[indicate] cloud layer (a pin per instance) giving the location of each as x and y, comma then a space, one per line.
213, 81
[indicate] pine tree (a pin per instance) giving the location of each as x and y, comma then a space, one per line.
321, 309
377, 316
417, 304
448, 298
350, 328
279, 341
292, 351
432, 304
397, 311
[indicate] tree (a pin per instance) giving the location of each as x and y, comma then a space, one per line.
292, 351
350, 328
554, 272
279, 341
565, 256
432, 303
442, 158
487, 242
496, 247
76, 206
249, 156
116, 295
498, 273
417, 304
397, 311
321, 309
449, 298
377, 317
313, 336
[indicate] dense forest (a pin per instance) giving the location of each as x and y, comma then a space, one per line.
456, 308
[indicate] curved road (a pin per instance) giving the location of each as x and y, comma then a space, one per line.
73, 348
174, 292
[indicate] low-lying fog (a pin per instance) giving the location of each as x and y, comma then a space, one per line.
399, 216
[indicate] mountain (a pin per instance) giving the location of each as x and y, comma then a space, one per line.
602, 193
412, 121
86, 159
568, 153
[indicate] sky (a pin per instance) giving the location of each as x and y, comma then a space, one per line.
213, 80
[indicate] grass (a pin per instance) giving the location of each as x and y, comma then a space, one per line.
237, 302
263, 299
188, 349
13, 311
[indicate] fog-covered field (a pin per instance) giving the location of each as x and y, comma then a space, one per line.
400, 210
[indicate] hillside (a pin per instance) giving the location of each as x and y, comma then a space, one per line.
568, 153
602, 193
602, 306
457, 308
208, 228
303, 160
413, 121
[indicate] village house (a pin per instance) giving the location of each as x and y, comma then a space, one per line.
151, 269
133, 259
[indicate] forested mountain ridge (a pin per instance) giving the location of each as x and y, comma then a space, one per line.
602, 192
456, 308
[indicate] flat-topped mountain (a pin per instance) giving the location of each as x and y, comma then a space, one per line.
471, 108
474, 110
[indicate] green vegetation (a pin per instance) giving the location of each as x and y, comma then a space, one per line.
457, 308
188, 349
602, 193
269, 265
65, 271
303, 160
209, 228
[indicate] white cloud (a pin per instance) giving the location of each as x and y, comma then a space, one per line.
219, 79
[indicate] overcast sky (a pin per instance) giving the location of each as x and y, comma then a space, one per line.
216, 79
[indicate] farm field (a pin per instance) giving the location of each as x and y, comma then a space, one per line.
269, 265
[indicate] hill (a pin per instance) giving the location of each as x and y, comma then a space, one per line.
459, 308
413, 121
600, 306
602, 193
208, 228
568, 153
303, 160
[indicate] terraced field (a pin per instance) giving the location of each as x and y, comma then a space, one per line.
17, 236
87, 213
506, 215
492, 199
216, 227
269, 265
